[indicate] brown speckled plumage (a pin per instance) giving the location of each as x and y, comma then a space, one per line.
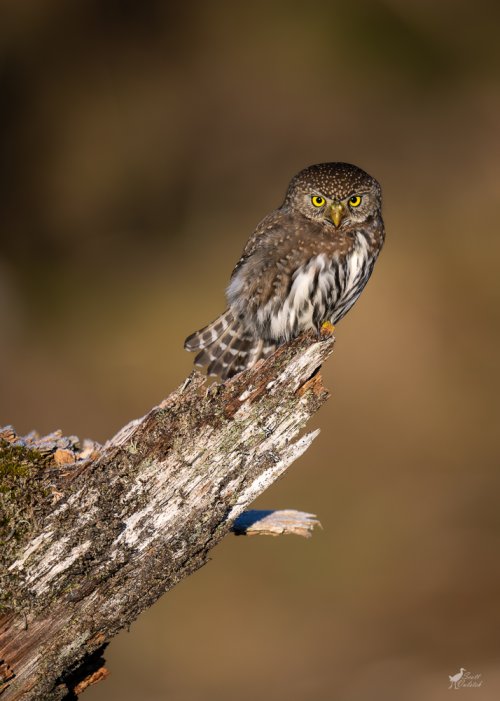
304, 264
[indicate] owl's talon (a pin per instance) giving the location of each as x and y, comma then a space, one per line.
327, 328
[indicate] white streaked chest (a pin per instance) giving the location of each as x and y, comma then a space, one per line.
296, 312
356, 263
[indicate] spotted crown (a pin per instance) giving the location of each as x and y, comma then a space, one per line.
338, 180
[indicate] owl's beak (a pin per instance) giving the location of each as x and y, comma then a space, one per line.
338, 211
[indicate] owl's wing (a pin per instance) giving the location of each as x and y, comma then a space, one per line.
265, 271
274, 222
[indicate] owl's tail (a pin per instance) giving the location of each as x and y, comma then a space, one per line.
226, 348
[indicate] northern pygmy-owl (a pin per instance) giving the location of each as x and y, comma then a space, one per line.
305, 264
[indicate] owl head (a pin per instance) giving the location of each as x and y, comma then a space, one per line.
338, 194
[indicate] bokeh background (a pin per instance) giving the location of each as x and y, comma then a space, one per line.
140, 143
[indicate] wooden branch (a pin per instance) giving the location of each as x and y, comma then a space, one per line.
285, 522
90, 536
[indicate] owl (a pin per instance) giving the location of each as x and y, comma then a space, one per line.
305, 264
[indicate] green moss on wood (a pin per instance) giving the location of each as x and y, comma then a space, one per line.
24, 496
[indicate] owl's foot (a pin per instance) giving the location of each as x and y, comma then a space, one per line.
327, 328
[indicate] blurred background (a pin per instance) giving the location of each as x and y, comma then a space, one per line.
140, 143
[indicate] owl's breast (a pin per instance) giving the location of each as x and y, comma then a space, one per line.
323, 288
277, 298
354, 271
298, 304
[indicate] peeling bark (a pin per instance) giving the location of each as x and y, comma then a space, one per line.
113, 528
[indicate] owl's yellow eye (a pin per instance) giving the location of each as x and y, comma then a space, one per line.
355, 201
318, 201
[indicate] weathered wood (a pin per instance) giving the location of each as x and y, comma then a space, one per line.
283, 522
111, 531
